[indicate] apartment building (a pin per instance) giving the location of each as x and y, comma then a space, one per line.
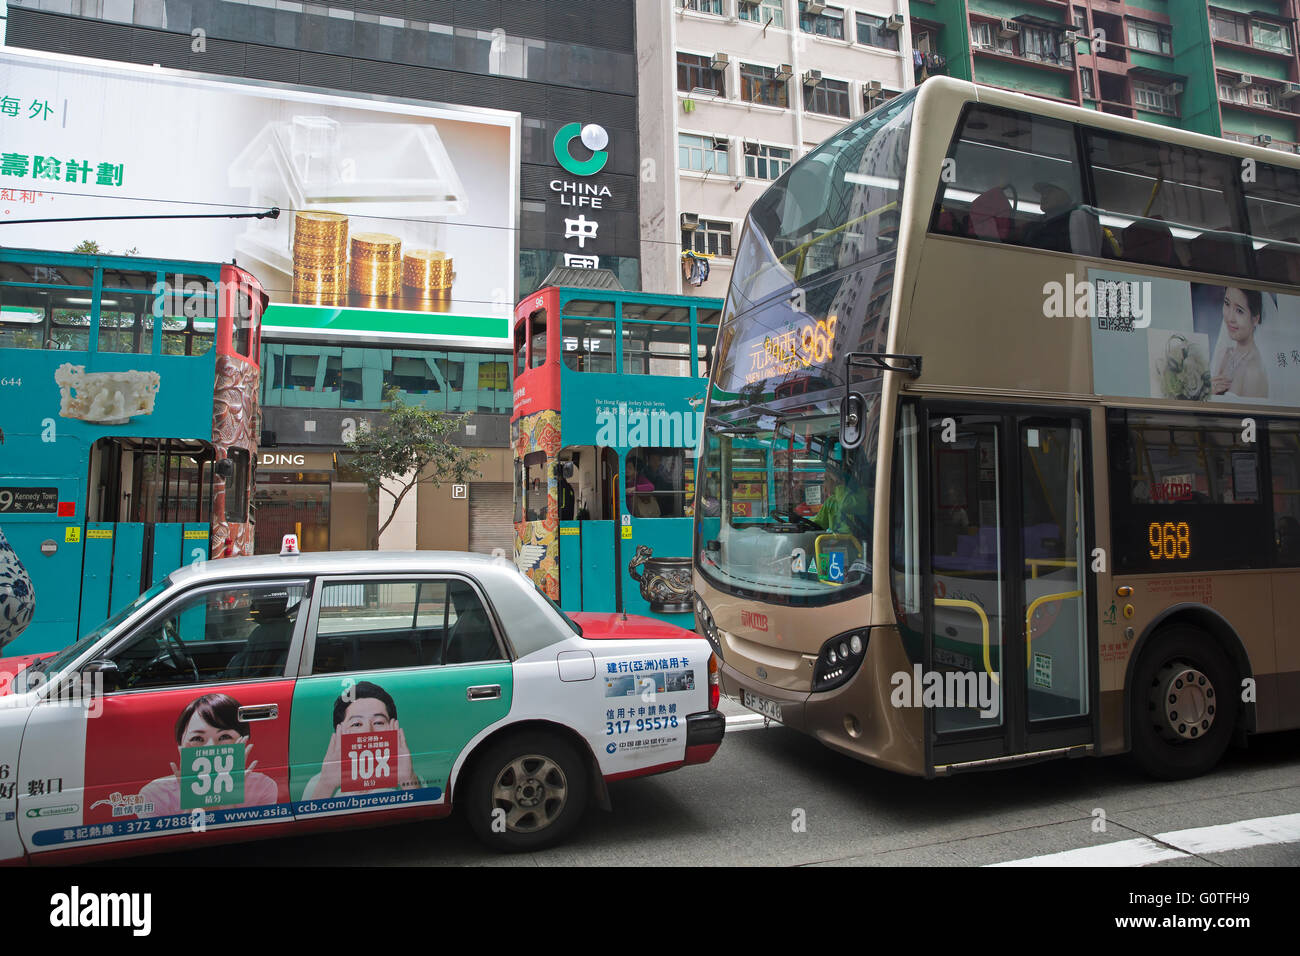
731, 93
1228, 68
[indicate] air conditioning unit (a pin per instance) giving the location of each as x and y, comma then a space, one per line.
1008, 28
1263, 139
690, 221
872, 87
812, 77
894, 23
784, 71
1288, 90
719, 61
1242, 81
814, 7
751, 148
1175, 88
1070, 36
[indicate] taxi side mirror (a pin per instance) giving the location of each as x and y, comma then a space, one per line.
108, 673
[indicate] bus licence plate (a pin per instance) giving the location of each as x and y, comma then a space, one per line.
768, 708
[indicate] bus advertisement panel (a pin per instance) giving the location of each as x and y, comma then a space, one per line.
394, 217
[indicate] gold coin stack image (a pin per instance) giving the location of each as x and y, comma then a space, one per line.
376, 264
427, 274
320, 258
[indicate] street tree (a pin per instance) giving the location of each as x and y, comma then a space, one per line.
413, 446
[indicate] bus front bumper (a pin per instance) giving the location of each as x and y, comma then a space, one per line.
791, 704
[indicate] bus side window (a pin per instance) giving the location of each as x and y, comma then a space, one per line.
1014, 178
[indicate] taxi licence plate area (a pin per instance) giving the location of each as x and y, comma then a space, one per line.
768, 708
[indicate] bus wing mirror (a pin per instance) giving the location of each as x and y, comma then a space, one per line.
852, 412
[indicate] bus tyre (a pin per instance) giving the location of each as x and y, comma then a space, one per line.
1184, 704
526, 792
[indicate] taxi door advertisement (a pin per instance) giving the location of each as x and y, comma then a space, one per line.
157, 762
388, 740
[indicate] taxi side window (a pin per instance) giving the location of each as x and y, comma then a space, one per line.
379, 625
216, 635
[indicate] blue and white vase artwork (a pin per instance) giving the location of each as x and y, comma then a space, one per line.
17, 596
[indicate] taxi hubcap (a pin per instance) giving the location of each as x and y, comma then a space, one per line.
1184, 697
532, 790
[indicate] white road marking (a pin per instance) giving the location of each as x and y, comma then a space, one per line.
1177, 844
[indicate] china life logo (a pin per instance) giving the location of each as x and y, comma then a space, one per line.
579, 195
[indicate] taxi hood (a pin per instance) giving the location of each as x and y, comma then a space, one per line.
610, 626
11, 667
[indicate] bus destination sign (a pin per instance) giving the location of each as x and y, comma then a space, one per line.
28, 500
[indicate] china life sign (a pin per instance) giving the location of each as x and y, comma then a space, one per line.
580, 199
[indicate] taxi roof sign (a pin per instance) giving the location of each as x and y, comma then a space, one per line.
289, 544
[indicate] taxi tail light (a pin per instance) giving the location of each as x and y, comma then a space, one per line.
715, 683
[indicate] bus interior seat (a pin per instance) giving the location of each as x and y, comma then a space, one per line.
1220, 252
1078, 230
1149, 241
991, 216
1279, 262
952, 222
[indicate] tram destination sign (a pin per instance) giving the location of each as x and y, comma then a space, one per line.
28, 500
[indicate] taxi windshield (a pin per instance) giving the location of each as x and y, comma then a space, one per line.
52, 665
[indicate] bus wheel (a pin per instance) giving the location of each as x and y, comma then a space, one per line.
526, 792
1184, 704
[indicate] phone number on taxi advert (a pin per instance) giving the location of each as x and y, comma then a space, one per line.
643, 725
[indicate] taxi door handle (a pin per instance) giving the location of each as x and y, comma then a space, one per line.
259, 712
483, 692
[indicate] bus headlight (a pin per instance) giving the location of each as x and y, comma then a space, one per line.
839, 660
705, 625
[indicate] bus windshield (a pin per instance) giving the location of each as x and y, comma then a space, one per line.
785, 510
838, 206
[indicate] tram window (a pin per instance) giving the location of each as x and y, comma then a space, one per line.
237, 487
189, 314
520, 342
22, 317
655, 482
654, 349
589, 308
521, 480
242, 323
535, 490
71, 329
588, 346
126, 323
537, 333
1016, 180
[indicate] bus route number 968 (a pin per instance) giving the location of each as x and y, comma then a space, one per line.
1169, 540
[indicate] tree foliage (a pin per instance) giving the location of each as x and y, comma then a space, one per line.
414, 446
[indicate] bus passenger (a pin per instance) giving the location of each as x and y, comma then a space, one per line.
640, 491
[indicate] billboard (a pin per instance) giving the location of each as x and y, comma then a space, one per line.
398, 221
1155, 337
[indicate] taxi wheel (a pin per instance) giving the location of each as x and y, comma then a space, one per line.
526, 792
1184, 704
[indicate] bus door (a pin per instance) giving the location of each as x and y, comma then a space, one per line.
586, 496
1008, 648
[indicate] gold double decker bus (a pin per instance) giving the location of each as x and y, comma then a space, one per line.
1002, 443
